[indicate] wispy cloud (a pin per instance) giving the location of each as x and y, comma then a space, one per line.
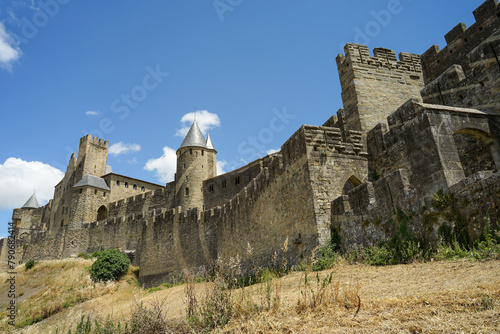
221, 167
272, 150
92, 113
206, 121
164, 166
9, 53
18, 179
123, 148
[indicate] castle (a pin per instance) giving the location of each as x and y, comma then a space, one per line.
410, 127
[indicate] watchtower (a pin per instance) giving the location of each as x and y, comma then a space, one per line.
92, 157
196, 162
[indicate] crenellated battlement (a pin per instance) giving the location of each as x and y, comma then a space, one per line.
359, 55
94, 140
461, 41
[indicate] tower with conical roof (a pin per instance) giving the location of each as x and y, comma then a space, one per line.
196, 162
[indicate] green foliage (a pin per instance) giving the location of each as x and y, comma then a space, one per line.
327, 259
378, 255
442, 200
109, 265
30, 264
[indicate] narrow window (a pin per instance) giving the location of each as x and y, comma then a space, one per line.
104, 194
117, 182
187, 191
142, 189
211, 188
191, 151
134, 186
81, 191
202, 152
224, 184
95, 192
126, 185
237, 180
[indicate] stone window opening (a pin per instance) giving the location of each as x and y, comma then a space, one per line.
187, 191
211, 188
350, 184
95, 192
237, 180
224, 184
126, 184
134, 186
102, 213
104, 194
117, 182
191, 151
143, 189
202, 152
81, 190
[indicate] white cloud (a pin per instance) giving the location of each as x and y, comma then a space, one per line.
221, 167
18, 179
92, 113
164, 166
123, 148
206, 121
273, 150
8, 52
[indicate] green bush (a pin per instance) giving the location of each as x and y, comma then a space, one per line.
327, 259
30, 264
109, 265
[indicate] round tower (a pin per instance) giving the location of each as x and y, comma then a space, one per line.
196, 162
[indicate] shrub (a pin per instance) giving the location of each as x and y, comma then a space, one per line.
109, 265
30, 264
327, 259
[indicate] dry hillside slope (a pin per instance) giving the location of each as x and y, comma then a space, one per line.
448, 296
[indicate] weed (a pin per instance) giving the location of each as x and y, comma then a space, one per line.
30, 264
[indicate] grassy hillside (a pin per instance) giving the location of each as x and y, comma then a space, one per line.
445, 296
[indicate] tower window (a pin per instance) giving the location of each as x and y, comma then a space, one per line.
126, 185
187, 191
95, 192
142, 189
81, 191
191, 151
211, 188
224, 184
134, 186
202, 152
117, 182
237, 180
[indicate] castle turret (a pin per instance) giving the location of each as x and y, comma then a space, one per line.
196, 162
92, 157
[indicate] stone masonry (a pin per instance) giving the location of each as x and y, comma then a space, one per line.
409, 128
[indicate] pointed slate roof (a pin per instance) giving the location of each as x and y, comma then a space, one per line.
210, 146
32, 203
92, 181
194, 137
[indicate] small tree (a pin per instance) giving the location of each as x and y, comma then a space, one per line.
109, 265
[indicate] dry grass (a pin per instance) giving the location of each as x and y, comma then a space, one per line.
438, 297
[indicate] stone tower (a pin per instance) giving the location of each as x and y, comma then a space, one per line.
196, 162
92, 157
373, 87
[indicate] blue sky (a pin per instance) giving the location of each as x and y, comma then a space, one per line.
131, 72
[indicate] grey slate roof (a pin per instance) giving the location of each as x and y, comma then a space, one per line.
32, 203
194, 137
210, 146
92, 181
